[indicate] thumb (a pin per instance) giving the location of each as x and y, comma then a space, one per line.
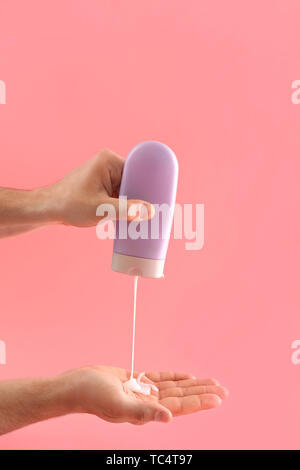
132, 209
140, 412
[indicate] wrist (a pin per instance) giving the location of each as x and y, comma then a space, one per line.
43, 206
70, 387
59, 391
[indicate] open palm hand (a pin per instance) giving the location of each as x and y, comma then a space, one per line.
100, 390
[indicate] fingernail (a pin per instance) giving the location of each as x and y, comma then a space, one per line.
159, 416
141, 211
138, 212
163, 417
152, 213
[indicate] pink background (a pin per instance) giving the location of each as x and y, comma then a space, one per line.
212, 79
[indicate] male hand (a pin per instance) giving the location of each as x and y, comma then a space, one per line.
73, 200
76, 197
100, 390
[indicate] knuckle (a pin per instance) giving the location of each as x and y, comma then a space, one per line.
103, 154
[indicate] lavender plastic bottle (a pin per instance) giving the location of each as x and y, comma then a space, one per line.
150, 174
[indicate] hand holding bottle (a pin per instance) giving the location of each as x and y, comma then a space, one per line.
73, 200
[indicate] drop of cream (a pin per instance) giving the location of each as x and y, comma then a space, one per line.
135, 385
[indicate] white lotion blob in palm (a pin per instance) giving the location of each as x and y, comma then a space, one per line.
135, 385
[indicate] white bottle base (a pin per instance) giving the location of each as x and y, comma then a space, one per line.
135, 266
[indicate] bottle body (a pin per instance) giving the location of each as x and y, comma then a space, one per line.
150, 174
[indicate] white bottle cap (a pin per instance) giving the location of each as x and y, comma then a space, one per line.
135, 266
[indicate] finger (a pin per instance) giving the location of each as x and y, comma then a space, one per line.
132, 209
142, 412
139, 210
197, 390
185, 383
191, 404
168, 376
